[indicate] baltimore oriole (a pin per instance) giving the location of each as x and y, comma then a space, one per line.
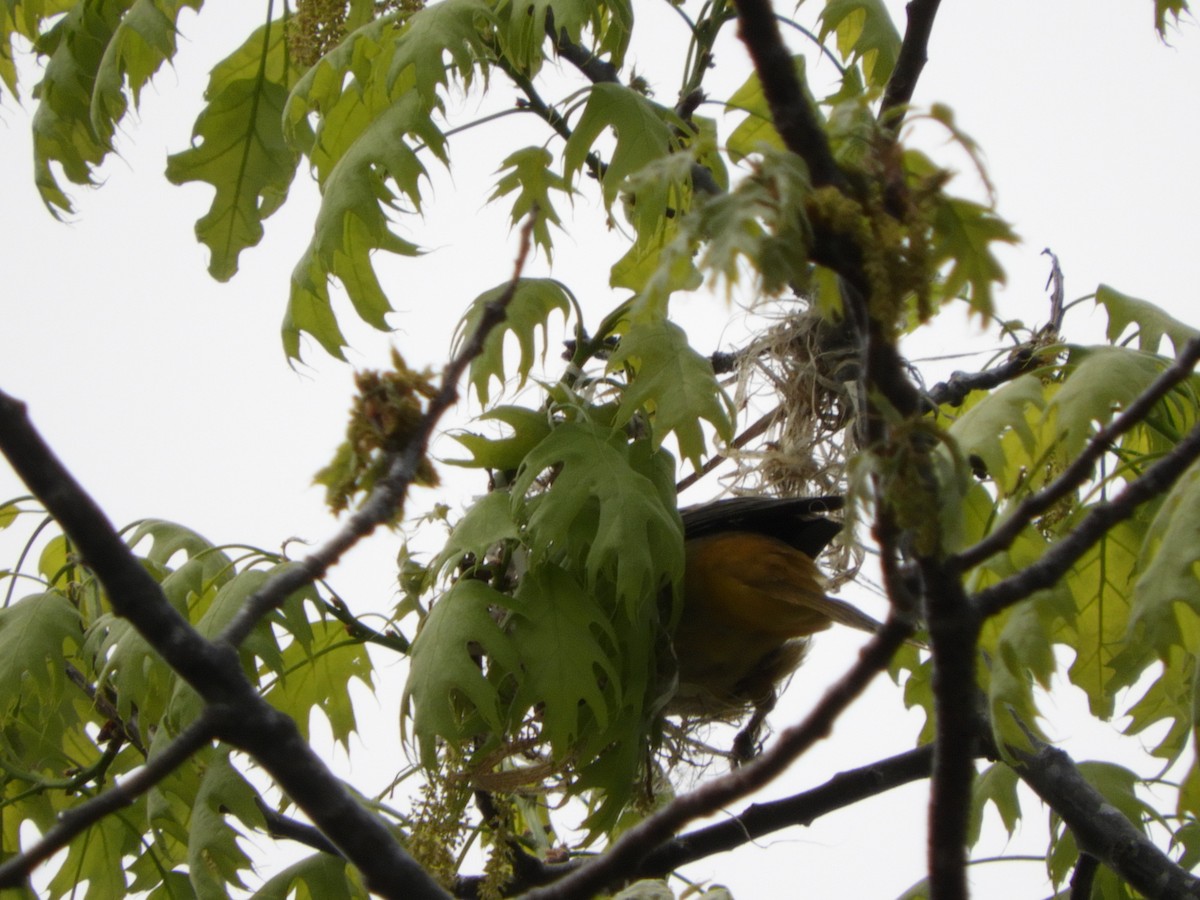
752, 596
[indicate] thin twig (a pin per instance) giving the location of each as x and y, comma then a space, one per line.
1081, 468
954, 391
1056, 562
628, 853
909, 63
842, 790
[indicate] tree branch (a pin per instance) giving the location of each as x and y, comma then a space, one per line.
1099, 828
954, 392
909, 64
628, 853
954, 634
16, 870
595, 69
235, 711
1080, 470
794, 118
281, 826
840, 791
1056, 562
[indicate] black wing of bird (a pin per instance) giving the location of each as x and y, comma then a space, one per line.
797, 521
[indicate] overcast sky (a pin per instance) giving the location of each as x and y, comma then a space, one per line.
168, 394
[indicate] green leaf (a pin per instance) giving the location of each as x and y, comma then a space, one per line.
1099, 382
530, 177
1163, 8
351, 225
642, 130
864, 31
762, 222
611, 509
168, 539
230, 600
1152, 322
63, 132
374, 94
452, 27
317, 877
448, 694
488, 522
997, 784
1102, 584
529, 427
1167, 569
674, 385
963, 233
36, 634
530, 308
999, 430
238, 146
1169, 698
567, 645
90, 859
8, 513
757, 131
141, 43
214, 857
318, 676
522, 29
56, 559
123, 658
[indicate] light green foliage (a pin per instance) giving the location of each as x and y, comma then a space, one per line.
523, 28
1151, 322
309, 669
608, 510
563, 631
1164, 8
57, 742
101, 54
317, 877
997, 785
760, 225
450, 695
239, 148
865, 33
962, 232
673, 385
143, 41
532, 178
529, 309
757, 130
361, 143
528, 428
642, 130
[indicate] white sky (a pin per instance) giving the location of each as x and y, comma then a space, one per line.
168, 395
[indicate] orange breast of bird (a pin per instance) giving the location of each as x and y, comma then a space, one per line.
749, 603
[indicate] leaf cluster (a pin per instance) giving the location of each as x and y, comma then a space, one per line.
86, 701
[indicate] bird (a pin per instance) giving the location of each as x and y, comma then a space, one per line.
752, 598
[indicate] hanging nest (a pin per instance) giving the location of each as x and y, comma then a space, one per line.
804, 370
